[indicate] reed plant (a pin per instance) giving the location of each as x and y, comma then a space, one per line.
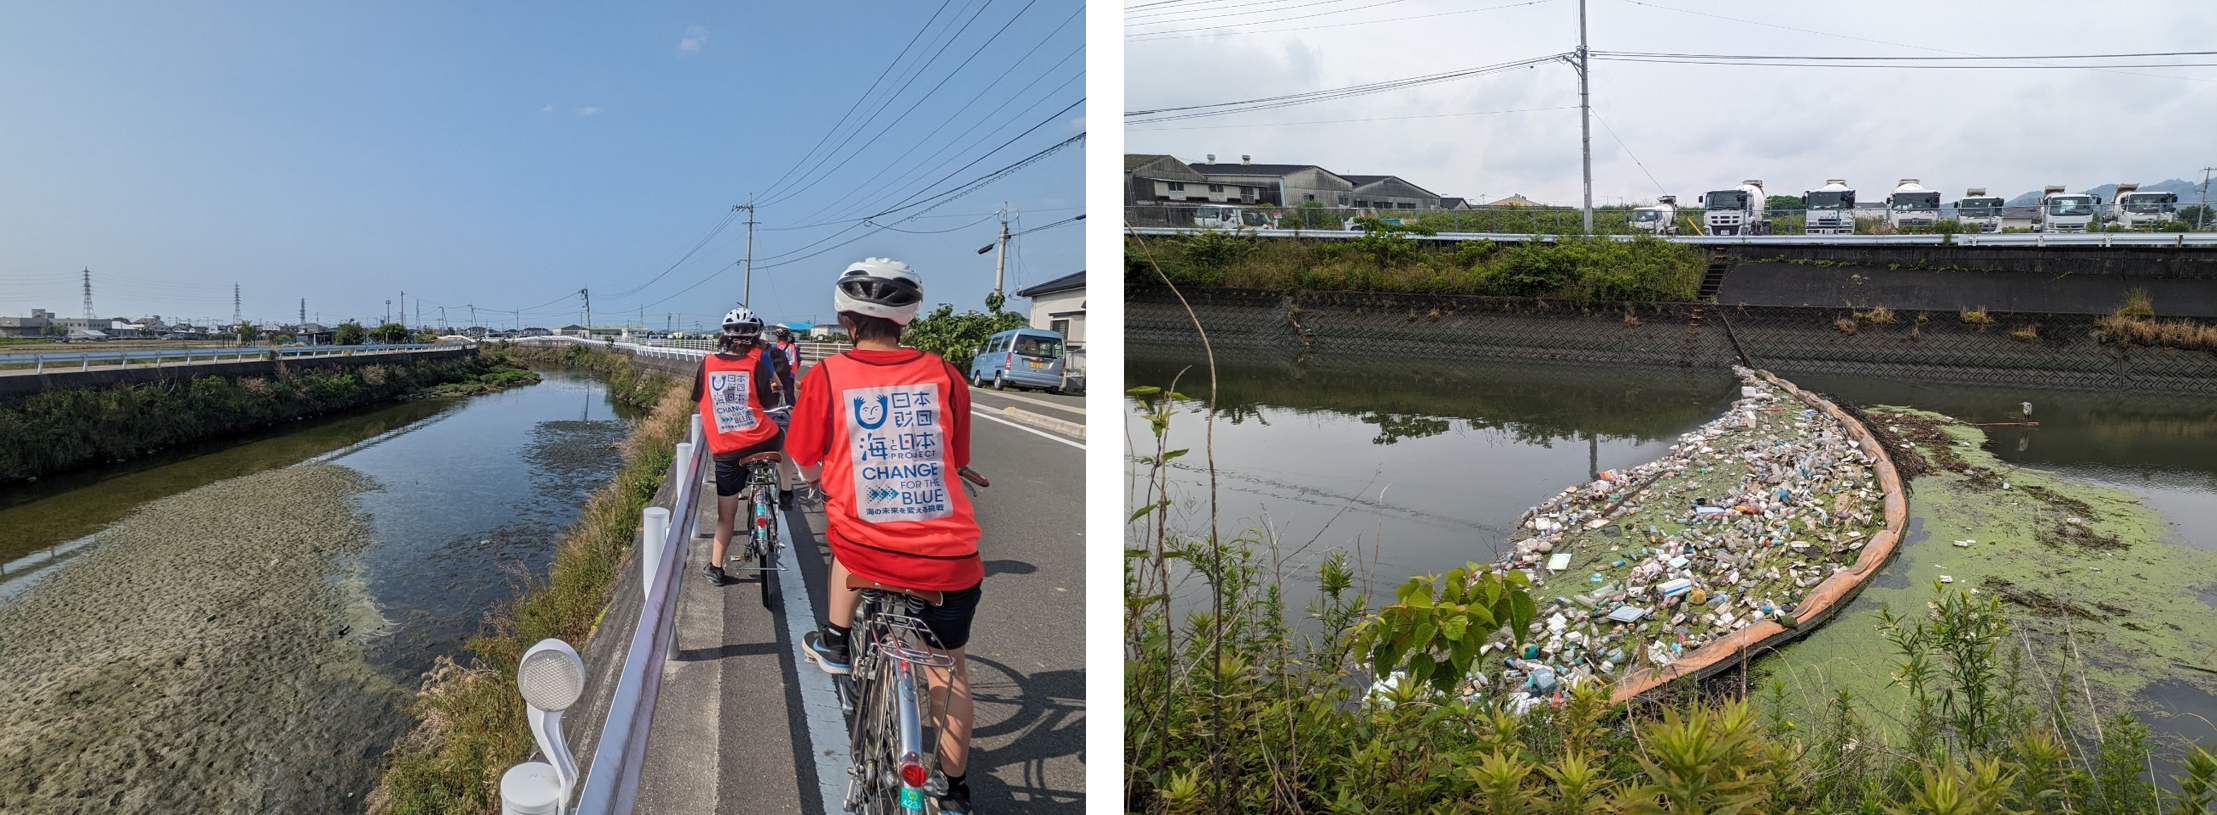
1390, 260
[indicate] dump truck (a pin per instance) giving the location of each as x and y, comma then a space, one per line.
1980, 209
2064, 211
1830, 209
2131, 208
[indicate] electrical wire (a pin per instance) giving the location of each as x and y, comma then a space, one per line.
1901, 66
774, 186
915, 144
1344, 121
1272, 11
1159, 36
1171, 114
917, 73
1627, 150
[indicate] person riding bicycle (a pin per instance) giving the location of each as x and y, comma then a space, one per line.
785, 345
881, 432
729, 387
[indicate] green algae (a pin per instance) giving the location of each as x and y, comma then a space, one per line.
2110, 601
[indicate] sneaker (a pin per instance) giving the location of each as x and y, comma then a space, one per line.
956, 799
715, 575
785, 500
832, 660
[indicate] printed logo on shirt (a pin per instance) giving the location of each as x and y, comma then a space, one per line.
728, 395
898, 452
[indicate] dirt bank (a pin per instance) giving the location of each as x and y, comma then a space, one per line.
204, 656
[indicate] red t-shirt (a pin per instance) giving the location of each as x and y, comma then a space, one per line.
875, 550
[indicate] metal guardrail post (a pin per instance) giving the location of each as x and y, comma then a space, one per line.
654, 532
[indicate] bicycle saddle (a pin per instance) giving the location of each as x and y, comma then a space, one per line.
932, 598
763, 458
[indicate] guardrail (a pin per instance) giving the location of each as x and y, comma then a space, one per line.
84, 360
2181, 240
811, 352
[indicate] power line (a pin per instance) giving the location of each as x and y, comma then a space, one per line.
1344, 121
1628, 151
807, 177
1308, 97
1271, 11
1158, 36
1907, 66
776, 185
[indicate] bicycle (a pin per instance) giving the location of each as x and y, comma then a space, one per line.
888, 736
762, 504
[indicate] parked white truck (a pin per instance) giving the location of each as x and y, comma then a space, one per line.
2064, 211
1830, 209
2131, 208
1743, 210
1230, 218
1912, 205
1980, 209
1660, 219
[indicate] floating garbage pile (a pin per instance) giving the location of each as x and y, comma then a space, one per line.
1734, 526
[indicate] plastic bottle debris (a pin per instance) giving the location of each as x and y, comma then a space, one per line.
1728, 529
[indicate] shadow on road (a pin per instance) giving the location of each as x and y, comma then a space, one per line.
1028, 720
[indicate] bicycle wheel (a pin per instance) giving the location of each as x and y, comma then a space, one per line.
874, 778
770, 585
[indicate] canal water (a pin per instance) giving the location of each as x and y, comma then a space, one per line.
1421, 463
451, 502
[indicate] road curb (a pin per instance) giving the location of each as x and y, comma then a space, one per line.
1045, 422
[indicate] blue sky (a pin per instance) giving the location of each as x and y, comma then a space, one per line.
507, 155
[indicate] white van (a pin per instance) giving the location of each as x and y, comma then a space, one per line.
1221, 217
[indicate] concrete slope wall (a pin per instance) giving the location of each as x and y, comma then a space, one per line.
1775, 283
17, 385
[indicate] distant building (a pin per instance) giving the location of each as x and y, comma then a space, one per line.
1454, 203
571, 330
1284, 184
1514, 201
1058, 305
1391, 193
1151, 179
39, 324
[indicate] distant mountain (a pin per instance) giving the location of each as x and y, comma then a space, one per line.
2107, 192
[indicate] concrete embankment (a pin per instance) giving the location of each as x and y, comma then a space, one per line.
16, 384
2060, 350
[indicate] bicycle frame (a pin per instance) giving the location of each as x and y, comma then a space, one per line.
890, 629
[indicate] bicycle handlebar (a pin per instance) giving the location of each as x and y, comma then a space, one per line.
973, 477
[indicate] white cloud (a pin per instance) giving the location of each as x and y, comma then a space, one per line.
587, 111
1076, 125
547, 109
695, 37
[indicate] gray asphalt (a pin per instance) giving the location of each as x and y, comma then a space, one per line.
732, 732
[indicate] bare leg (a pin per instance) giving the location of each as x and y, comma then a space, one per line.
950, 703
843, 600
727, 511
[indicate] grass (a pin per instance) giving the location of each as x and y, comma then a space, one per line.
2127, 329
470, 720
626, 382
1977, 317
66, 428
1581, 269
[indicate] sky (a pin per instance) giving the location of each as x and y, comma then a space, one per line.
507, 155
1682, 129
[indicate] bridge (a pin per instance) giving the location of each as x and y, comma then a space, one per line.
697, 700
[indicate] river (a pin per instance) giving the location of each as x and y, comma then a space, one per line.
405, 523
1420, 463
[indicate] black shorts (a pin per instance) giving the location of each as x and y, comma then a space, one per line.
948, 624
731, 479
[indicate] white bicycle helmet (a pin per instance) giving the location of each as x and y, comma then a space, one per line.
742, 323
879, 287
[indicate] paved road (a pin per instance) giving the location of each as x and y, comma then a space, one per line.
739, 729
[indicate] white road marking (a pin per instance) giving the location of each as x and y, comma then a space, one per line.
827, 724
1032, 399
1040, 433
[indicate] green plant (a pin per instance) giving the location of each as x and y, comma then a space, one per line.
2137, 304
1976, 316
349, 333
390, 333
954, 337
1436, 625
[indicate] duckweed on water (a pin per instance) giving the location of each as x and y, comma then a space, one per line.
2086, 575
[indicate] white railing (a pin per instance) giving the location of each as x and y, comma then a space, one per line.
811, 352
611, 778
155, 357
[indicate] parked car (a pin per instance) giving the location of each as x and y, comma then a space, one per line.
1020, 357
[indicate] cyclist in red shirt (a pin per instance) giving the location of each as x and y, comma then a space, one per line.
730, 389
883, 430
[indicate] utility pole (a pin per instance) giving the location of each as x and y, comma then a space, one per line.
442, 320
235, 318
1000, 260
404, 307
588, 295
1585, 116
746, 291
388, 310
2199, 218
88, 292
473, 315
303, 311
